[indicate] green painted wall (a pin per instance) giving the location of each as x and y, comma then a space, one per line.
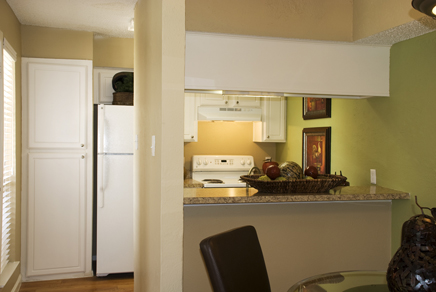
393, 135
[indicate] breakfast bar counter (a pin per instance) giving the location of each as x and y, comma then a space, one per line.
198, 196
348, 228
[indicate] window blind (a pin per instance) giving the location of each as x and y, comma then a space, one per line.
9, 166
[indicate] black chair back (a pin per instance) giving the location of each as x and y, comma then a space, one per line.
234, 261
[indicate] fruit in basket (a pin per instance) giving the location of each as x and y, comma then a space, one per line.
309, 177
264, 178
280, 178
291, 170
272, 171
268, 162
311, 171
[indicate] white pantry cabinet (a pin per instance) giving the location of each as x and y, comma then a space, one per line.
57, 169
103, 84
272, 127
190, 133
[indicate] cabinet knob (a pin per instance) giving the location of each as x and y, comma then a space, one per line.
237, 102
82, 145
267, 137
226, 102
192, 137
83, 156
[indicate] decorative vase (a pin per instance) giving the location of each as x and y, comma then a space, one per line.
413, 267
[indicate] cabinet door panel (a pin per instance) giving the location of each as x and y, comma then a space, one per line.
191, 124
105, 87
103, 91
56, 214
57, 95
253, 101
213, 99
276, 126
272, 128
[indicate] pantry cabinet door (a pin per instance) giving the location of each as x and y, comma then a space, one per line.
57, 214
57, 90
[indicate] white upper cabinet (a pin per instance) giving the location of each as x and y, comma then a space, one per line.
191, 124
103, 91
213, 99
303, 68
229, 100
249, 101
57, 103
272, 128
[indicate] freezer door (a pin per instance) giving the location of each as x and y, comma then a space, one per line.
115, 214
115, 129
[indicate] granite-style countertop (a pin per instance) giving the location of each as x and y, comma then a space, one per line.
197, 196
190, 183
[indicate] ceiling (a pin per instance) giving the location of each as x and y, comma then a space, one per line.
112, 17
104, 17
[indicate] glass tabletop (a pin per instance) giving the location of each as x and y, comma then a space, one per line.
347, 281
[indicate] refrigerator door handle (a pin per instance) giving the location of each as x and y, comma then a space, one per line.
101, 118
100, 188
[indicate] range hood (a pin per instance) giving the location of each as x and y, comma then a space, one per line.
214, 113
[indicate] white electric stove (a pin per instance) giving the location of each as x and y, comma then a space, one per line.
221, 171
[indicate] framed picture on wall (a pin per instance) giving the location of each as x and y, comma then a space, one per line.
316, 148
316, 108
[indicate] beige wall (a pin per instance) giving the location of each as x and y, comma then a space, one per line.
44, 42
305, 19
11, 29
113, 52
158, 183
228, 138
373, 16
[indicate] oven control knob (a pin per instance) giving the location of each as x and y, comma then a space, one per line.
248, 162
198, 161
205, 162
242, 161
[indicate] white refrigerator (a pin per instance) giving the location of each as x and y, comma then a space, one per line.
114, 210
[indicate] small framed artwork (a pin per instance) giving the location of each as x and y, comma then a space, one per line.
316, 108
316, 148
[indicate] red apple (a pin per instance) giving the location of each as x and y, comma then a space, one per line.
268, 163
272, 171
311, 171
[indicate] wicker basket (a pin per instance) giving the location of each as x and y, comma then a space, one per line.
320, 185
123, 98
